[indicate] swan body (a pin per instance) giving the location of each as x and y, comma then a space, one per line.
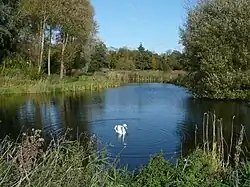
121, 129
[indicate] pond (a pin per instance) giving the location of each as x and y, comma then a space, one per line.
159, 117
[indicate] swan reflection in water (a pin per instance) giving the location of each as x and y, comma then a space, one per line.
121, 138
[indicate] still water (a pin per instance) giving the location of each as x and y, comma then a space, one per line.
159, 117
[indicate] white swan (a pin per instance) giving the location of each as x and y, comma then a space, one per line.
121, 129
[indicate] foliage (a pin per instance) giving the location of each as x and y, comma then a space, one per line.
67, 162
14, 66
158, 172
216, 37
199, 169
125, 64
99, 58
8, 28
39, 37
142, 59
154, 63
58, 36
175, 59
42, 28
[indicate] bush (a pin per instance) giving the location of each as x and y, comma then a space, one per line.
157, 173
17, 66
199, 169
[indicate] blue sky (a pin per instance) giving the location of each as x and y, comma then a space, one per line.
129, 22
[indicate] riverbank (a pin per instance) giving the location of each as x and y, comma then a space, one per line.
77, 163
97, 81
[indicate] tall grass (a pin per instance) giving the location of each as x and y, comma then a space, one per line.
62, 163
65, 162
97, 81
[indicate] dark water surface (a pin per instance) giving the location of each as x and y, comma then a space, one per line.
159, 117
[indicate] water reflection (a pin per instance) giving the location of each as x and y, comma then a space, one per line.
159, 116
50, 114
121, 139
225, 110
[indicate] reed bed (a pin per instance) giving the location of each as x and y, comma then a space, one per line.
65, 162
97, 81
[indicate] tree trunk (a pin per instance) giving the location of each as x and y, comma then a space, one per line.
40, 39
42, 44
64, 44
49, 52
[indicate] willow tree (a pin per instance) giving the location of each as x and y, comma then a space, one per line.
216, 39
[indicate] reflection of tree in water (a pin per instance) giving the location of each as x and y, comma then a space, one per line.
9, 122
51, 114
65, 112
9, 115
224, 110
75, 111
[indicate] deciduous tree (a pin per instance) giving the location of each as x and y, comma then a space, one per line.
216, 39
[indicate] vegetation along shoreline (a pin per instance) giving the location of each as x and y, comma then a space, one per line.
51, 46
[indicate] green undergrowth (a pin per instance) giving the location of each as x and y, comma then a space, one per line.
67, 162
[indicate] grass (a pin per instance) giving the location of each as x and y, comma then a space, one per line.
65, 162
97, 81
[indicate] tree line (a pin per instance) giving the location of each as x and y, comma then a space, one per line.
55, 36
135, 59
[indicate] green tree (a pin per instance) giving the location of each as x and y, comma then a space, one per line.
99, 58
76, 21
112, 58
125, 64
8, 28
216, 39
41, 11
154, 63
143, 59
175, 60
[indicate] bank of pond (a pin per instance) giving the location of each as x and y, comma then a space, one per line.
67, 162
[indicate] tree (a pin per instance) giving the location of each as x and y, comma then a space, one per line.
41, 11
112, 58
154, 64
141, 49
4, 31
76, 23
143, 58
99, 58
73, 22
8, 28
175, 60
216, 39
